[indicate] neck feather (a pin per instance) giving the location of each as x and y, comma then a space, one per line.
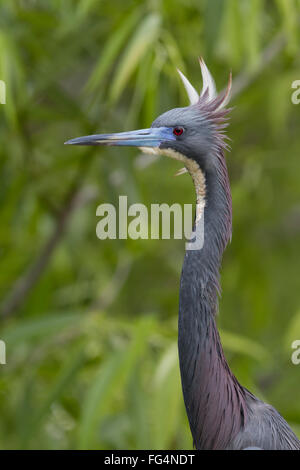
214, 399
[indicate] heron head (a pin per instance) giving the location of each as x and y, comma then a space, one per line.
190, 133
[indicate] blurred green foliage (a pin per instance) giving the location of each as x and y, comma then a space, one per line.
90, 325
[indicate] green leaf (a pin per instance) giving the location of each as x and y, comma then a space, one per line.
251, 30
60, 386
144, 36
110, 51
292, 331
12, 74
234, 32
35, 328
239, 344
213, 16
290, 19
167, 399
110, 378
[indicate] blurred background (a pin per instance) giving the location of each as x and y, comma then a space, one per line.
91, 326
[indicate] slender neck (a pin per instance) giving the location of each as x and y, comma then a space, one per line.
214, 399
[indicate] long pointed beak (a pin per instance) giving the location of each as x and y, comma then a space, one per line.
152, 137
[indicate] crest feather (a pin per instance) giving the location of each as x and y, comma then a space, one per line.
192, 93
208, 81
209, 93
226, 97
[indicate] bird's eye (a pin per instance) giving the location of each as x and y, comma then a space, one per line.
177, 131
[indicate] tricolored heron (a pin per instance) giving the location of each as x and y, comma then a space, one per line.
222, 413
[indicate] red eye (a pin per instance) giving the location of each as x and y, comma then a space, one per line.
177, 131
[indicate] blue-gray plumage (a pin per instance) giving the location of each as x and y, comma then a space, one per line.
222, 413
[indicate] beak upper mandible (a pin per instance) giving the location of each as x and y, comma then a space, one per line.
151, 137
